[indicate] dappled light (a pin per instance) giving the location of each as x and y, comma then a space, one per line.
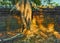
28, 22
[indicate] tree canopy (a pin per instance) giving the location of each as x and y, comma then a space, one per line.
38, 2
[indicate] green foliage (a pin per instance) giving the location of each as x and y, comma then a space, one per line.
48, 1
38, 2
5, 2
